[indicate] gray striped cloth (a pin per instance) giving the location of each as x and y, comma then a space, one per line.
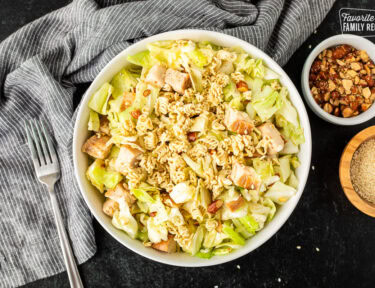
40, 66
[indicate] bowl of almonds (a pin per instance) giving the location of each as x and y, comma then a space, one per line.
338, 80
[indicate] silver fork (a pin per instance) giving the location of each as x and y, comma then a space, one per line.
47, 170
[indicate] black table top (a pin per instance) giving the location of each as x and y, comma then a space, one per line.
336, 240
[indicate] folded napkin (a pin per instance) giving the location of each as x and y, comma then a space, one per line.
40, 66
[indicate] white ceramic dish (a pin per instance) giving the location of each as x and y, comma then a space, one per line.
94, 199
355, 41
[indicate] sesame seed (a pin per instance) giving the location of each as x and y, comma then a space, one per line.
298, 247
310, 46
238, 267
317, 249
315, 32
279, 280
313, 167
216, 286
362, 170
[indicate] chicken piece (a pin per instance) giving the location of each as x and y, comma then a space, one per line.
104, 125
237, 121
179, 81
127, 157
236, 204
245, 177
156, 76
97, 146
110, 206
270, 132
168, 246
127, 100
120, 193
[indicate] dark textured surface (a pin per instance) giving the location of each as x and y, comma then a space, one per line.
323, 219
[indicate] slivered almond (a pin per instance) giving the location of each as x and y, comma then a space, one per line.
214, 206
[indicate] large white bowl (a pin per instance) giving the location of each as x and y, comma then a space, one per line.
95, 200
357, 42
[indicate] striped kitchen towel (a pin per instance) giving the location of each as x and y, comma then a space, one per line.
40, 67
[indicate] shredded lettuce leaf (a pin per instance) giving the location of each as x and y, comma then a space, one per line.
280, 193
94, 122
102, 178
266, 103
99, 100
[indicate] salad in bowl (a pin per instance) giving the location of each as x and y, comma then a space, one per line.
194, 147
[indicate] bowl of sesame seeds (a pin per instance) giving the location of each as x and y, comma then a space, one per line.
357, 171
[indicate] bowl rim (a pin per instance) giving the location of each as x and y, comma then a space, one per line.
329, 42
281, 219
344, 171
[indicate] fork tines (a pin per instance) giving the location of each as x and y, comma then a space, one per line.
40, 144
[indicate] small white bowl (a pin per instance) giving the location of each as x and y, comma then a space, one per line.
95, 200
357, 42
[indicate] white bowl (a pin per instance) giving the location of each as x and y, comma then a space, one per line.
95, 200
358, 43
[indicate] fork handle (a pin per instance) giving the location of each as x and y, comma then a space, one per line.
70, 263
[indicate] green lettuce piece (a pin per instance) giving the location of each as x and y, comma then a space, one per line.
99, 100
142, 58
229, 231
284, 168
236, 103
230, 91
222, 251
204, 253
123, 81
294, 161
198, 57
125, 221
164, 52
287, 119
114, 152
250, 111
142, 235
250, 224
293, 181
266, 103
269, 203
141, 193
254, 68
263, 167
100, 177
197, 240
280, 193
241, 229
94, 122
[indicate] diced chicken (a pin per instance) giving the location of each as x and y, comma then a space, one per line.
127, 157
245, 176
120, 193
104, 125
156, 76
97, 146
273, 135
110, 206
168, 246
179, 81
237, 121
127, 100
236, 204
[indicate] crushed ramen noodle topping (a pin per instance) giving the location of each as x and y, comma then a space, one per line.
194, 147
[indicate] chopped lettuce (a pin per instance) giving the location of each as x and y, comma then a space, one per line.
293, 181
284, 168
233, 235
204, 253
123, 81
269, 203
124, 220
280, 193
266, 103
142, 58
197, 167
263, 167
142, 195
222, 251
198, 57
197, 240
102, 178
230, 91
99, 100
94, 122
